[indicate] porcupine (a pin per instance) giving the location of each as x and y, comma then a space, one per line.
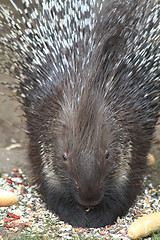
88, 79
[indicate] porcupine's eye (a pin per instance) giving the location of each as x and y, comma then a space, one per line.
65, 157
106, 154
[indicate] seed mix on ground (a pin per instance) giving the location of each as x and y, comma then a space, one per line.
30, 216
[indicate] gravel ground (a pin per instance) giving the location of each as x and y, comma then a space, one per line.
29, 219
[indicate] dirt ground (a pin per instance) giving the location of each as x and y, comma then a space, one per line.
13, 139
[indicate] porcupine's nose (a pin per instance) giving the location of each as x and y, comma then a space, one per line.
89, 195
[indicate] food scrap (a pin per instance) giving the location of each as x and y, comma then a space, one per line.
144, 226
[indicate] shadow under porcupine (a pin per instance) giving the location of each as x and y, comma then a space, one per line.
89, 80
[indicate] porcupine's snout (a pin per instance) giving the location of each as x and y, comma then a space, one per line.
90, 194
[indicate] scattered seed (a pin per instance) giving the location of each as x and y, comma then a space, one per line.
30, 214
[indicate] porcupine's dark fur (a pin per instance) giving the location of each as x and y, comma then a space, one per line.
89, 84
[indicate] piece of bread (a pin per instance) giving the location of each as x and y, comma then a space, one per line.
7, 198
144, 226
151, 161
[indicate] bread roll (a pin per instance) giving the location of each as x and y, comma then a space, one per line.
144, 226
7, 198
151, 161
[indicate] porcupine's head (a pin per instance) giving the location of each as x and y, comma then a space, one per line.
89, 87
